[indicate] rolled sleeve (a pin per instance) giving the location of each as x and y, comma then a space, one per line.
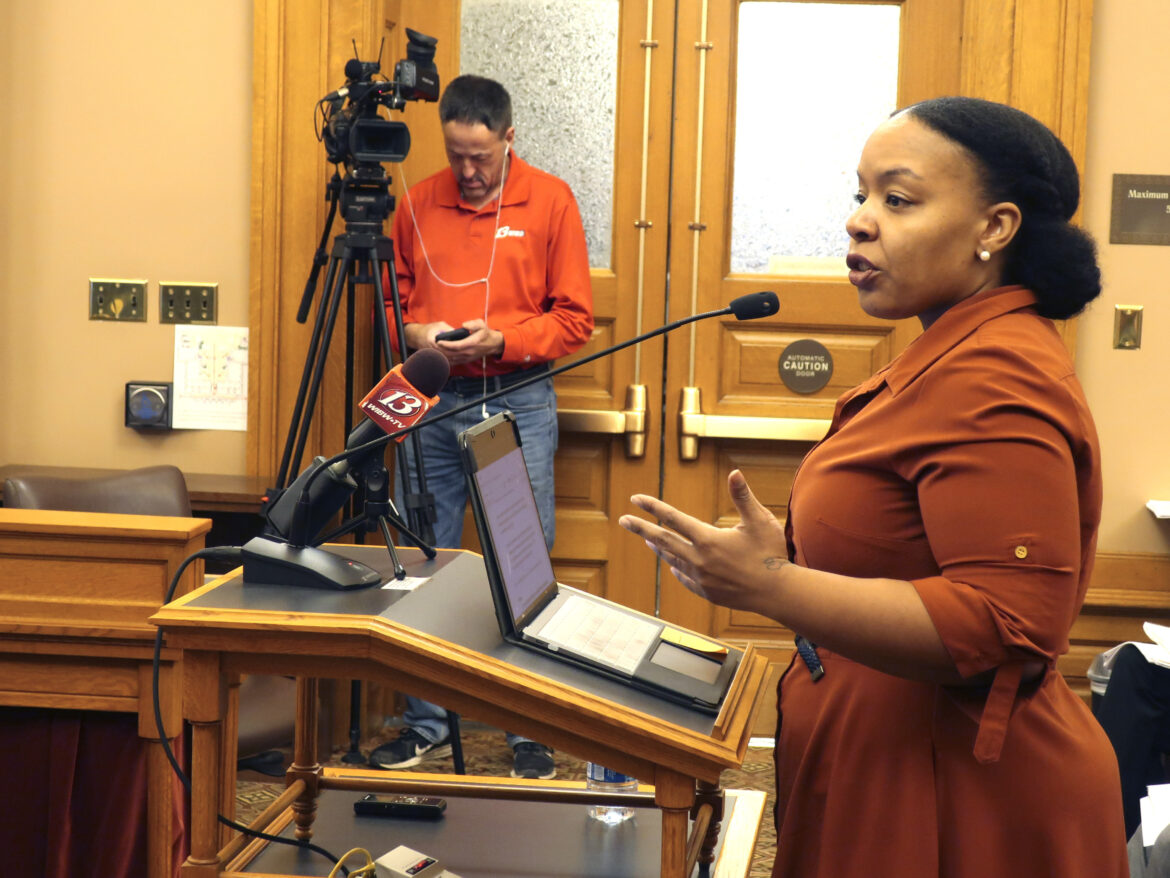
1002, 512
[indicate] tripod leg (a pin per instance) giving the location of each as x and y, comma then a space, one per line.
420, 507
399, 570
319, 356
353, 756
287, 464
456, 741
393, 521
350, 303
332, 191
381, 326
339, 280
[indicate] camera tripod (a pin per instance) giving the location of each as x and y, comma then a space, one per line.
358, 256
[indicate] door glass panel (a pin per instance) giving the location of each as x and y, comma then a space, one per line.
812, 81
558, 60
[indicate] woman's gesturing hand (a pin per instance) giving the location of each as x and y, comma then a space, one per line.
736, 566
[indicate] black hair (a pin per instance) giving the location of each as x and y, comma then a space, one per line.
476, 99
1023, 162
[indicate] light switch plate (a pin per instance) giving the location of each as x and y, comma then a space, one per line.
115, 299
187, 302
1127, 327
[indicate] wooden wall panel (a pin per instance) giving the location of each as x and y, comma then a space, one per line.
1037, 53
930, 72
1033, 54
988, 24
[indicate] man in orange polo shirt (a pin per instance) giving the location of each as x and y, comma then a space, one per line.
494, 250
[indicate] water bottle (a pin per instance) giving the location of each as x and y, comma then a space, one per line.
606, 780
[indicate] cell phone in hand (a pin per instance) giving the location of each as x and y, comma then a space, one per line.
414, 807
453, 334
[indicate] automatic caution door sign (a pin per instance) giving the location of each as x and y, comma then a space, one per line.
806, 366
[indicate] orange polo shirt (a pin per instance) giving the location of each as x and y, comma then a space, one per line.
538, 293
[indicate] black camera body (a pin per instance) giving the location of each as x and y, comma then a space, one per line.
354, 133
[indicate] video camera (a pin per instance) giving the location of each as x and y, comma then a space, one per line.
353, 132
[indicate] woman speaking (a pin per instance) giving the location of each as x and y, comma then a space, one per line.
940, 539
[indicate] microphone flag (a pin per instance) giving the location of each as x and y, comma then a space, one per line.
394, 403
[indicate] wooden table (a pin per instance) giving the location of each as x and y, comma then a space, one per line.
76, 589
439, 642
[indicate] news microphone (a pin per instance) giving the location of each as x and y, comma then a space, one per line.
282, 553
401, 398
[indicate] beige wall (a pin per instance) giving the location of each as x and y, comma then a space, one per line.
1129, 133
125, 155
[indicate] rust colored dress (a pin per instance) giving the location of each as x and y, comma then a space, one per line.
970, 467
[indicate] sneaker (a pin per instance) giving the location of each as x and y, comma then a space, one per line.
409, 748
533, 761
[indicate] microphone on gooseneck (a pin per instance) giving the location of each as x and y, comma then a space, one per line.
354, 69
427, 370
753, 305
747, 307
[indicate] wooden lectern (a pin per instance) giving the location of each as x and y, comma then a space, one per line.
439, 641
76, 590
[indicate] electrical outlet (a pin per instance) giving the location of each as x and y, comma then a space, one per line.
117, 299
187, 302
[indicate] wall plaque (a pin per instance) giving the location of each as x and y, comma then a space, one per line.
1141, 209
806, 366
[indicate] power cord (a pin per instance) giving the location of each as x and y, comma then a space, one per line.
233, 555
365, 871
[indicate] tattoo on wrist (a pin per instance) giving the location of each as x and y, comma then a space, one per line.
775, 563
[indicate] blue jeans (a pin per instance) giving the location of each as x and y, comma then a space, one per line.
535, 408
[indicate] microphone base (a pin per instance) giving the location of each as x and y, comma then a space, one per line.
267, 562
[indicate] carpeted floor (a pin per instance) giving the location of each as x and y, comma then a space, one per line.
485, 753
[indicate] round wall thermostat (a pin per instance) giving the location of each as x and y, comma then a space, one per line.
148, 404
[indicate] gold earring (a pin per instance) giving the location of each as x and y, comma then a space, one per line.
984, 255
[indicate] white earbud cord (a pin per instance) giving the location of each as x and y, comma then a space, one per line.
486, 279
